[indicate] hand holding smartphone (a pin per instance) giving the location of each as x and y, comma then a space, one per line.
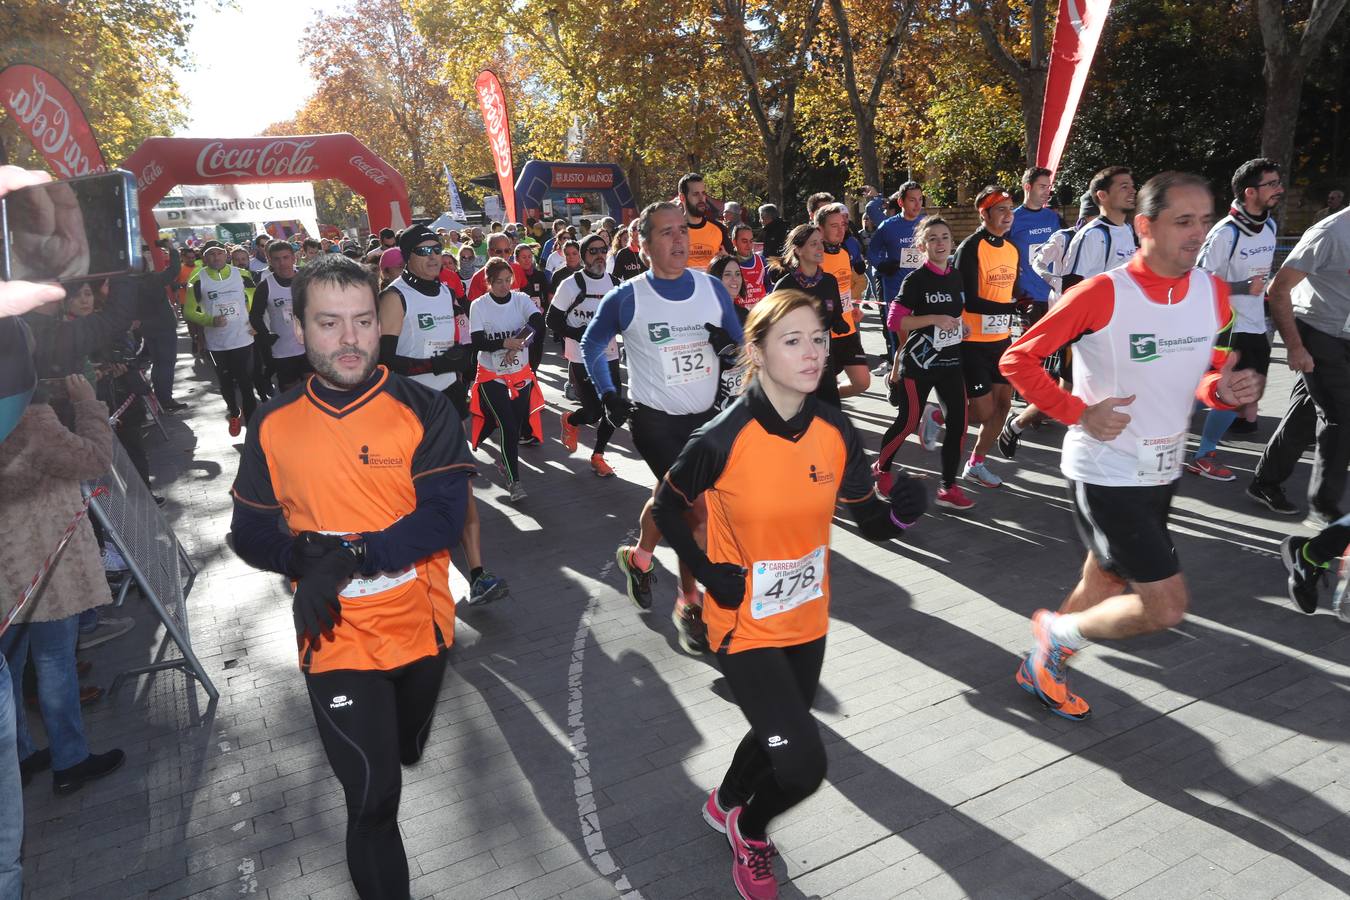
81, 227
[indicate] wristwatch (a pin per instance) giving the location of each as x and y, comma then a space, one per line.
356, 544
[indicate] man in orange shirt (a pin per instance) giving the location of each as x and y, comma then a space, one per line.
354, 484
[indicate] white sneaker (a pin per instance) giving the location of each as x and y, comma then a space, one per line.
929, 427
981, 475
882, 369
107, 630
518, 492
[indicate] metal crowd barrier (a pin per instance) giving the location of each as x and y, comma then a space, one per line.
157, 563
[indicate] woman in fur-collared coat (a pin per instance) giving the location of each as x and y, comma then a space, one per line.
41, 465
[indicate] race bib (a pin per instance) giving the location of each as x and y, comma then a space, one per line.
1159, 458
912, 258
685, 363
228, 310
729, 387
377, 584
947, 337
995, 324
780, 585
434, 347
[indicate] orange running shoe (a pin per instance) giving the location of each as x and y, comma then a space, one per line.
569, 434
600, 467
1045, 672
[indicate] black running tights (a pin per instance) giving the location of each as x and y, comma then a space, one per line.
913, 393
370, 722
781, 761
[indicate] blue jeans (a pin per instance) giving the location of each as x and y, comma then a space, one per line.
163, 348
11, 798
53, 645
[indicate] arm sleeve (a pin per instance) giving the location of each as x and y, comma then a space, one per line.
1082, 310
258, 529
611, 317
697, 469
485, 344
257, 311
1207, 392
441, 467
192, 306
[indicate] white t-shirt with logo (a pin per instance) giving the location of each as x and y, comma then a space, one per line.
581, 311
1100, 247
1234, 255
502, 320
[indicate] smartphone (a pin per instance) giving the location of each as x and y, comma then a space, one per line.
525, 334
81, 227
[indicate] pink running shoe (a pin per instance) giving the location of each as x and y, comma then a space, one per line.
751, 862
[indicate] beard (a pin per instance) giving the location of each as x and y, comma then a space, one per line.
326, 367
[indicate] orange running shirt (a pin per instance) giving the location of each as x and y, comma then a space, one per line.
355, 470
770, 488
988, 267
706, 240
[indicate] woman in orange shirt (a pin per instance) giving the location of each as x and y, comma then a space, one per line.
770, 469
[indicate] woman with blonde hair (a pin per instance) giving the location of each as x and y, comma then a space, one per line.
771, 469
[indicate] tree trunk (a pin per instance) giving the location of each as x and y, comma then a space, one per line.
1284, 88
1033, 101
774, 177
867, 152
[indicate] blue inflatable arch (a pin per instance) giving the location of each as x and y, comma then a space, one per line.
539, 178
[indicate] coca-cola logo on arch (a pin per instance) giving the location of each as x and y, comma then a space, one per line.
148, 174
275, 159
374, 174
53, 128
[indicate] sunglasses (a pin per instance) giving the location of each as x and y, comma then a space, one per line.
428, 250
595, 251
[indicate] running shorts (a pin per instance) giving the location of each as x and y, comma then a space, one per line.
659, 436
847, 351
979, 364
1253, 351
1126, 529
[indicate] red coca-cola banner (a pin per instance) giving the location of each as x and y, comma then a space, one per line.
160, 164
50, 116
492, 100
1076, 34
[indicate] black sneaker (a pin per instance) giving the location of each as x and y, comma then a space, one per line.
639, 582
689, 627
1272, 497
529, 440
1304, 577
95, 765
1008, 439
1242, 426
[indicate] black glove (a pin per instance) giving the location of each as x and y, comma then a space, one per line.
889, 267
308, 548
722, 342
316, 606
725, 583
448, 360
908, 499
617, 409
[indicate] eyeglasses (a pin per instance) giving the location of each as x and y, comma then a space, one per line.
595, 251
427, 250
1278, 182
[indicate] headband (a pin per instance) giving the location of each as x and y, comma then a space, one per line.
992, 200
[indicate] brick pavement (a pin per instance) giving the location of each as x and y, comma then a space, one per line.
574, 743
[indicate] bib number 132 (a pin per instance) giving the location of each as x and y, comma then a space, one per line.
1160, 458
683, 363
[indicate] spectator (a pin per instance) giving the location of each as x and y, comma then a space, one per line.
41, 465
773, 233
1335, 203
159, 327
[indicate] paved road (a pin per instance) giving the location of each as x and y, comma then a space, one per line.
574, 742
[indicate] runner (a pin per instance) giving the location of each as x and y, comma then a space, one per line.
731, 368
663, 316
503, 323
894, 254
539, 288
929, 311
752, 266
1240, 251
259, 262
373, 612
573, 308
1110, 240
625, 259
219, 299
424, 335
499, 246
772, 468
1310, 303
987, 261
846, 350
1308, 561
803, 253
1034, 226
570, 264
271, 315
1151, 338
707, 236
